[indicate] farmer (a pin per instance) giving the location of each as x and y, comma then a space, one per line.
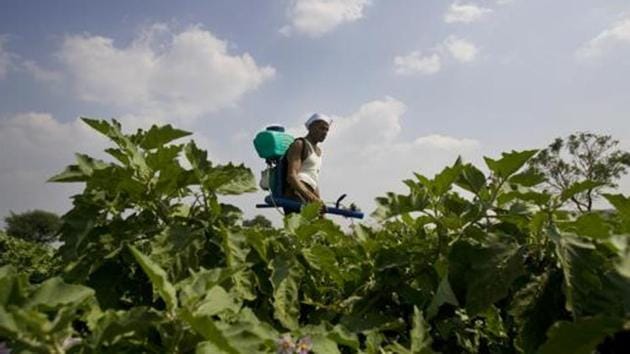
304, 159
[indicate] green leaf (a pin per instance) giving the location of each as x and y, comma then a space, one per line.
420, 338
70, 174
581, 336
230, 180
7, 284
395, 204
442, 181
323, 259
234, 247
55, 293
227, 179
8, 325
196, 286
323, 344
207, 327
443, 295
158, 278
621, 203
591, 225
483, 274
159, 136
246, 334
535, 308
111, 327
217, 300
590, 284
344, 337
540, 199
285, 280
509, 163
471, 179
577, 188
529, 178
81, 172
101, 126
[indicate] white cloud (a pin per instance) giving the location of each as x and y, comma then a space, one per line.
182, 75
39, 73
5, 58
415, 63
465, 13
369, 153
34, 147
315, 18
618, 33
446, 143
461, 49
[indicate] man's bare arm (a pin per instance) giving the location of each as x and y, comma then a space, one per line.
294, 163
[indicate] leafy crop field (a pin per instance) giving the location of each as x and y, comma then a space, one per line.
154, 262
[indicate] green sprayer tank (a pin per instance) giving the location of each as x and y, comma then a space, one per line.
272, 143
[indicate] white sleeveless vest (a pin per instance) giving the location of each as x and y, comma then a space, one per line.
309, 172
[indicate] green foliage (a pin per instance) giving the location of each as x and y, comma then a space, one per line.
33, 259
258, 221
154, 262
36, 225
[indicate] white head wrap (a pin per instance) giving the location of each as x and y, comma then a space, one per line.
317, 116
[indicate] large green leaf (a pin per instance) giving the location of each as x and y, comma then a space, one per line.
227, 179
196, 287
591, 225
577, 188
218, 300
509, 163
471, 179
620, 202
235, 249
396, 204
322, 258
247, 334
443, 295
80, 172
443, 181
54, 293
112, 327
132, 151
230, 180
591, 285
8, 284
535, 308
158, 278
483, 274
581, 336
285, 278
207, 327
420, 338
159, 136
529, 178
100, 125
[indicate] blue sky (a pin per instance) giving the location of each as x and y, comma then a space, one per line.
411, 84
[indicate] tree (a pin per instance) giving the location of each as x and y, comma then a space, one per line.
580, 157
35, 225
258, 220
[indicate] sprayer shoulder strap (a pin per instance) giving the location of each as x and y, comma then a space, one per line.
304, 150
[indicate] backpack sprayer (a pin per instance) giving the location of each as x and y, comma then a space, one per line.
272, 145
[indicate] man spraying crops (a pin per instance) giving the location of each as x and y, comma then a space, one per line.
304, 159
